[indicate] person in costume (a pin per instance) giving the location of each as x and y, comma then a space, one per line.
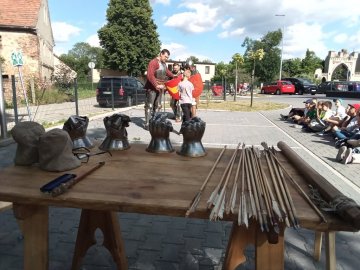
185, 89
191, 67
157, 75
174, 103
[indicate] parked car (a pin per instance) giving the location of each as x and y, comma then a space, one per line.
127, 91
278, 88
302, 85
327, 86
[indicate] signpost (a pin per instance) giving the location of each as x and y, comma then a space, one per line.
17, 61
91, 65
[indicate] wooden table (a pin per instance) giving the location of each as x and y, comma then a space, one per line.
139, 182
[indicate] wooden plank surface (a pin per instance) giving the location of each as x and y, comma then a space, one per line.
137, 181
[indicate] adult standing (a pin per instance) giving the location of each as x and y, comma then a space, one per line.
174, 103
157, 74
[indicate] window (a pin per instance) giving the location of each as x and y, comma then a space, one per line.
207, 69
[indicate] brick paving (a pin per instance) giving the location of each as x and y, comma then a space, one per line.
159, 242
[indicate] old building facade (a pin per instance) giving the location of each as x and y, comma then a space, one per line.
25, 27
348, 61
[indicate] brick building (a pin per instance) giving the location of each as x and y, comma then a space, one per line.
25, 26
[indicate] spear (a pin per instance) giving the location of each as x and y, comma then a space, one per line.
196, 199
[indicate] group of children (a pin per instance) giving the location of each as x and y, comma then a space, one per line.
343, 124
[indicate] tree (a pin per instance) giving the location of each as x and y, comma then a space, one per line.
79, 57
311, 62
221, 70
292, 67
193, 59
129, 38
267, 69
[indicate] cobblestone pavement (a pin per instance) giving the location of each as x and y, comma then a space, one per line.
159, 242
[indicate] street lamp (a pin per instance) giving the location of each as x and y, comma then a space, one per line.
282, 45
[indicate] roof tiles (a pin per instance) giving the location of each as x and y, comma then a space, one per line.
22, 13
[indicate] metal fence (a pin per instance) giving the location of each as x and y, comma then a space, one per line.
81, 100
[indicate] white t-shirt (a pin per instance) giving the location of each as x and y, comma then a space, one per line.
185, 90
341, 112
327, 114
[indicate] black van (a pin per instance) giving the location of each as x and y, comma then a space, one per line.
302, 85
127, 91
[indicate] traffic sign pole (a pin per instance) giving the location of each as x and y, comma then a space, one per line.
24, 91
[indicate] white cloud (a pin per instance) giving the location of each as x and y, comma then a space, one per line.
340, 38
227, 23
179, 52
234, 33
201, 19
302, 36
164, 2
93, 40
63, 31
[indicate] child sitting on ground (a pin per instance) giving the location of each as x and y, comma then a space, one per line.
319, 124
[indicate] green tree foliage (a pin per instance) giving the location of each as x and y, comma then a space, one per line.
304, 68
221, 71
292, 67
268, 68
129, 38
193, 59
311, 62
79, 57
340, 73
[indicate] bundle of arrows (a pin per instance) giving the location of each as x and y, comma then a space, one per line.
257, 183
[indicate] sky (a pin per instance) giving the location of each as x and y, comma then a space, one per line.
215, 29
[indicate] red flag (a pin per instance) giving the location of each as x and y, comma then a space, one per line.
172, 87
196, 80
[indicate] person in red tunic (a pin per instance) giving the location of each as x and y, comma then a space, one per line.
157, 74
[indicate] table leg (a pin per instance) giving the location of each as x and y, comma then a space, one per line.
240, 238
317, 245
35, 226
330, 251
108, 222
269, 256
